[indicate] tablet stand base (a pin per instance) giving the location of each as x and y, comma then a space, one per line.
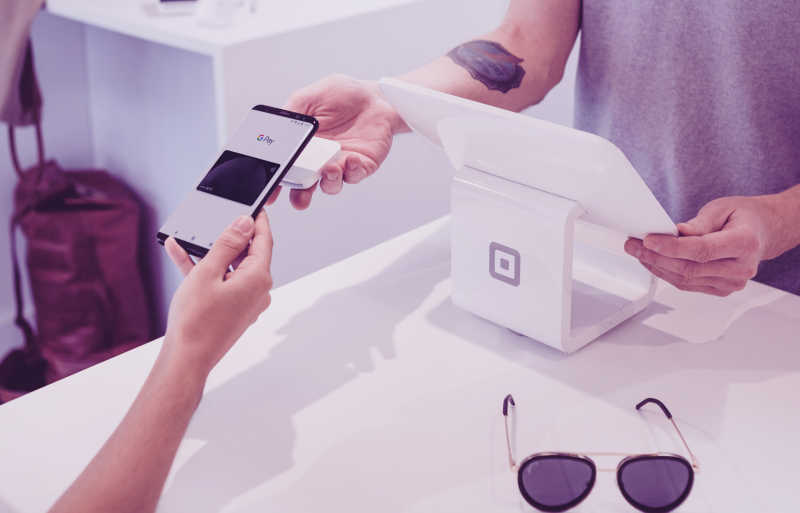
524, 259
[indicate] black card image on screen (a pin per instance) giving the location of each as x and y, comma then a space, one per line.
238, 177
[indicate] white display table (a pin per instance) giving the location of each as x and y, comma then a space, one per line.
364, 389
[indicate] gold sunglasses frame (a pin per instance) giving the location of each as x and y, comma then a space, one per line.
586, 456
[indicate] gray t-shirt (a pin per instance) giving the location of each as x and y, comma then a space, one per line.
703, 96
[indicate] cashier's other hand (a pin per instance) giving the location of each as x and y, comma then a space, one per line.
354, 113
214, 306
719, 250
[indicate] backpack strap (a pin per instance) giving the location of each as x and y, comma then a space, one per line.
12, 150
12, 146
20, 320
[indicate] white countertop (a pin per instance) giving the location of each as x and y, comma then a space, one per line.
140, 18
364, 389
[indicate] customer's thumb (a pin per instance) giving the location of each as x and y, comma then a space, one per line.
229, 245
711, 218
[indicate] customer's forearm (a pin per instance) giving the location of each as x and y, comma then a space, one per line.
514, 66
128, 473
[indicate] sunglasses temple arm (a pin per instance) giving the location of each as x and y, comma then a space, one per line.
666, 411
695, 464
509, 401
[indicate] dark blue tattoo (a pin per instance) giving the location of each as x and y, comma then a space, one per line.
490, 63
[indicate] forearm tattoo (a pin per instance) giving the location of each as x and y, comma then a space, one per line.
490, 63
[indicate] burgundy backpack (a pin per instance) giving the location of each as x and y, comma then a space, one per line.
83, 233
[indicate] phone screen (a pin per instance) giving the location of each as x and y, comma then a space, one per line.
239, 181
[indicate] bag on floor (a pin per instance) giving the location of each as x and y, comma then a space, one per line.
82, 230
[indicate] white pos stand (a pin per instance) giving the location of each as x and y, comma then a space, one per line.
540, 213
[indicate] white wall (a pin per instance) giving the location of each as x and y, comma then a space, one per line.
153, 118
153, 113
121, 74
62, 76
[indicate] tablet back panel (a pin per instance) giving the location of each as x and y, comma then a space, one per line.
556, 159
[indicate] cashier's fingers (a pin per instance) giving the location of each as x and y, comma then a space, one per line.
332, 172
732, 269
274, 196
682, 285
347, 167
682, 282
178, 256
358, 167
728, 243
301, 198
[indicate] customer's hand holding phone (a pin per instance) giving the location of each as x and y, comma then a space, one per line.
210, 310
214, 305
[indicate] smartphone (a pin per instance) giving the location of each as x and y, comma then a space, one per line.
242, 177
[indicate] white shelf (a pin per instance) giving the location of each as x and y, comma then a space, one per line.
139, 18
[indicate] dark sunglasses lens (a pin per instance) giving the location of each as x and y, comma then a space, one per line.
656, 483
556, 482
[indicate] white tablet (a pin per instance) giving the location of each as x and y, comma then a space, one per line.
553, 158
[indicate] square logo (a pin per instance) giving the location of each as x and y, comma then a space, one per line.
504, 263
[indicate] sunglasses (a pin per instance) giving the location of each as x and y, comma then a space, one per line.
558, 481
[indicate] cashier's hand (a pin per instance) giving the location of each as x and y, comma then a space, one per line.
354, 113
213, 306
720, 249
